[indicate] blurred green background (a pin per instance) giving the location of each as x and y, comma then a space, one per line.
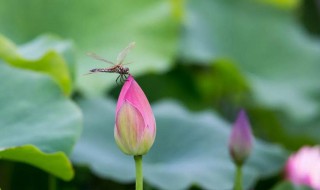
198, 61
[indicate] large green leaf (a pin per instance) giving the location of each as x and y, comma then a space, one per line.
45, 43
34, 111
280, 59
57, 163
190, 149
44, 54
104, 27
286, 185
287, 4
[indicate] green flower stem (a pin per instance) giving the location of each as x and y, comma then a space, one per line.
238, 178
52, 182
139, 174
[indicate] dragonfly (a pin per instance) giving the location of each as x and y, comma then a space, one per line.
117, 67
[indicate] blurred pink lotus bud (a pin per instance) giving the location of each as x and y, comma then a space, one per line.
135, 127
303, 167
240, 142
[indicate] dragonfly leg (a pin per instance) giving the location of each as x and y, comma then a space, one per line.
118, 79
122, 79
126, 77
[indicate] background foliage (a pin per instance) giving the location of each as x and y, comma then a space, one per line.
198, 61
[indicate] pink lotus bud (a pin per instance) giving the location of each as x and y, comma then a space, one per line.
135, 127
303, 168
240, 142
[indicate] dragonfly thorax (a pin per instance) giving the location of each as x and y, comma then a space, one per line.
125, 70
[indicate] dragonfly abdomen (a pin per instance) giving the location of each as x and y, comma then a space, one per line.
107, 70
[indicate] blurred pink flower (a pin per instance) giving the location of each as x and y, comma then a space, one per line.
240, 142
303, 167
135, 127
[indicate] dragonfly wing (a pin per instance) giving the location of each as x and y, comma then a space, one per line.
97, 57
124, 52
